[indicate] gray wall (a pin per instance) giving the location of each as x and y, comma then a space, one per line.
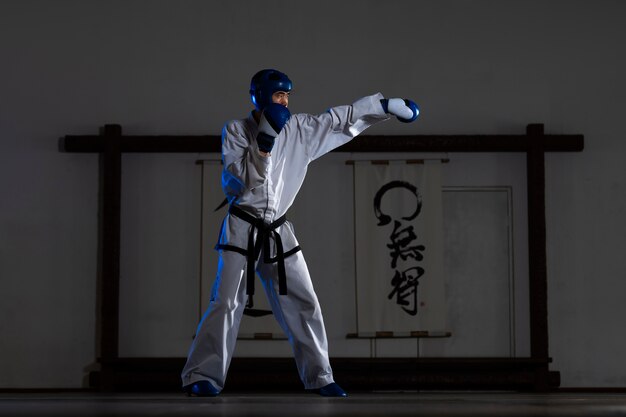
161, 67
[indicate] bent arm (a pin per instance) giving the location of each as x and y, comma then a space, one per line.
245, 167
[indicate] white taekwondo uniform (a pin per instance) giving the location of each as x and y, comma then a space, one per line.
265, 187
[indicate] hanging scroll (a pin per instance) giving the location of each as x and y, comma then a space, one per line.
399, 250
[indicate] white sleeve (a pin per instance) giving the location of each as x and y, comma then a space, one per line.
339, 125
244, 167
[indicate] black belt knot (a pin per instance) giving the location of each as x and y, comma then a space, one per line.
264, 232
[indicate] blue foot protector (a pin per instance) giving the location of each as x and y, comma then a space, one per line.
332, 390
201, 389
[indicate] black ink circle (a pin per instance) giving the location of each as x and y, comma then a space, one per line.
383, 218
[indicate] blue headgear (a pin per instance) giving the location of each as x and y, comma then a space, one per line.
265, 83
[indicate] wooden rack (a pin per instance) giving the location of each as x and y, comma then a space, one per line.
531, 373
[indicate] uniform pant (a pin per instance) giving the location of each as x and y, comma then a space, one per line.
298, 313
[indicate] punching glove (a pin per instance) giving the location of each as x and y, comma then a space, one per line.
273, 119
405, 110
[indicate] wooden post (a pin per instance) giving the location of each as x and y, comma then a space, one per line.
110, 205
537, 260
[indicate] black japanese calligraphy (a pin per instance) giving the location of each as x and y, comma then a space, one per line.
400, 240
405, 286
403, 247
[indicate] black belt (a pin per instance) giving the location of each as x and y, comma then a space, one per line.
254, 248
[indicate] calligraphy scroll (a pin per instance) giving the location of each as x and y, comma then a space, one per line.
399, 253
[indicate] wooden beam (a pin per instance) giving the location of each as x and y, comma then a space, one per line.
364, 143
146, 144
461, 143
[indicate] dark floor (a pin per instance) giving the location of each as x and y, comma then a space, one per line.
302, 405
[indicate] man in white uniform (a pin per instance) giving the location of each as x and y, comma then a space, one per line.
265, 161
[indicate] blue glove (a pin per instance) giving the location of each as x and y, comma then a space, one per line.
273, 119
405, 110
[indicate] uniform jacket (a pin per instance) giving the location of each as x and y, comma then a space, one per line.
266, 187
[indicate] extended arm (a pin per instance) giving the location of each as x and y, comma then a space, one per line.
339, 125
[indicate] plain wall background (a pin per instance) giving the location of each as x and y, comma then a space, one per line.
165, 67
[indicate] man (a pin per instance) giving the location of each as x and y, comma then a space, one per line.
265, 161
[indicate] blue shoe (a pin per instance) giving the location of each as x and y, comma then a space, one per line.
332, 390
201, 389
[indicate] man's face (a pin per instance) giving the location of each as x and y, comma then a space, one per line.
281, 97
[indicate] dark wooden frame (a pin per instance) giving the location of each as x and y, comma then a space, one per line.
530, 373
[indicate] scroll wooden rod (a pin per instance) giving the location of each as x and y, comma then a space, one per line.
398, 335
408, 161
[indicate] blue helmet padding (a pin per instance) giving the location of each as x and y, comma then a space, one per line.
265, 83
